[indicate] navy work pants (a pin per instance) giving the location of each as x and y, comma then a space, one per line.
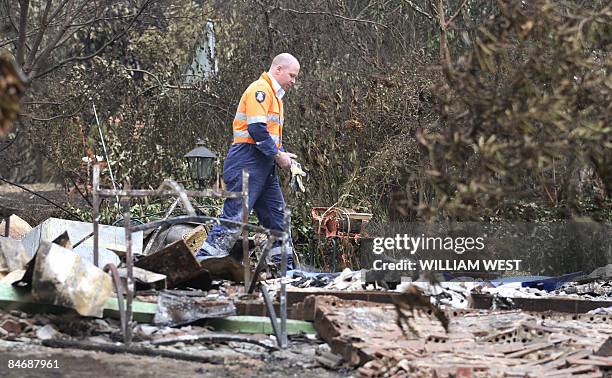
265, 197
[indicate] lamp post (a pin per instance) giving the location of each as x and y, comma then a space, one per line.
201, 161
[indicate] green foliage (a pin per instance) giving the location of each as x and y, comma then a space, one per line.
111, 213
525, 117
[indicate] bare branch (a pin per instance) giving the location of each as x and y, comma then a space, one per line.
160, 84
30, 33
148, 73
39, 36
98, 19
42, 103
24, 5
333, 15
450, 20
10, 143
444, 51
418, 9
77, 110
50, 118
98, 51
266, 13
40, 59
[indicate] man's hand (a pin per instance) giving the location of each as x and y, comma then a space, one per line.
284, 159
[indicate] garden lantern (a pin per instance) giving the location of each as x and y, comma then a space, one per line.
201, 161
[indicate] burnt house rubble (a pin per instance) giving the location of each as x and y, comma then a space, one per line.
138, 289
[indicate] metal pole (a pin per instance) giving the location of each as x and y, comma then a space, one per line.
95, 212
283, 288
261, 263
245, 232
7, 225
130, 277
110, 169
271, 313
218, 181
118, 288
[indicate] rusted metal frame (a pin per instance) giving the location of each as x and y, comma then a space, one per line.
245, 232
158, 229
271, 313
175, 190
261, 263
183, 195
119, 291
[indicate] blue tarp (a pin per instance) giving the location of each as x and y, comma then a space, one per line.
538, 282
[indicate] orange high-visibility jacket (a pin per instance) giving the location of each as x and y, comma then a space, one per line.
259, 104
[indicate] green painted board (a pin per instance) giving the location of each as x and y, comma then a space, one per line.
143, 312
259, 324
12, 298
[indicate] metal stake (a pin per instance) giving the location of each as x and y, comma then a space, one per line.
7, 225
95, 212
130, 277
118, 288
271, 313
261, 263
110, 169
245, 233
283, 289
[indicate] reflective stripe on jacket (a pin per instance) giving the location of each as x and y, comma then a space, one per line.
260, 105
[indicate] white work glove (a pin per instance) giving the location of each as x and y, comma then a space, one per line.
297, 173
284, 159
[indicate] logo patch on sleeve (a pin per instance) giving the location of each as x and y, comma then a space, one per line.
260, 96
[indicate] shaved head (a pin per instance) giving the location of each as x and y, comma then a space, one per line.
284, 59
285, 68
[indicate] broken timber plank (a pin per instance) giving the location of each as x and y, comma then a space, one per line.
530, 349
175, 261
177, 307
296, 296
592, 360
258, 308
567, 305
132, 349
214, 338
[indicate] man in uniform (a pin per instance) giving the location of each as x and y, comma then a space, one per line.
258, 148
